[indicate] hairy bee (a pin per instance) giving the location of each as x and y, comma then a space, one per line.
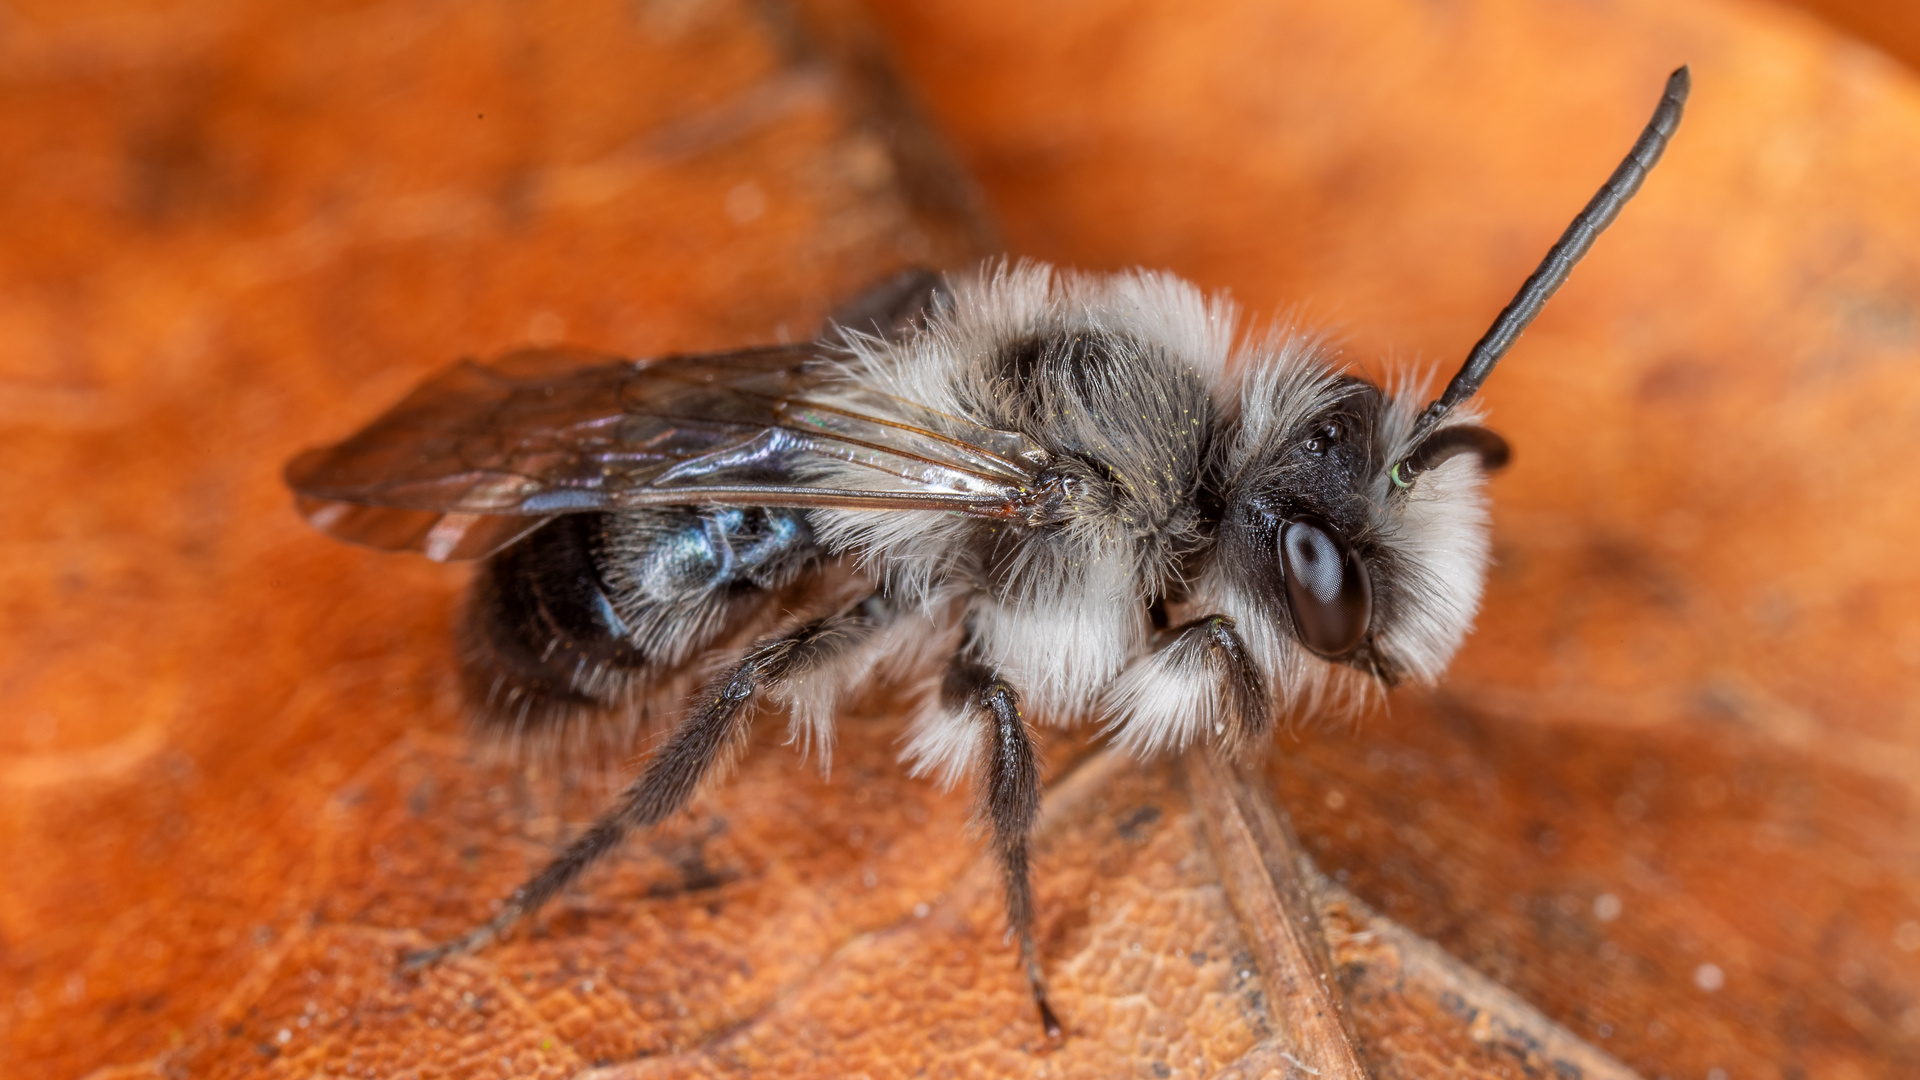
1042, 497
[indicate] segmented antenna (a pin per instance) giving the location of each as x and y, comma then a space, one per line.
1553, 270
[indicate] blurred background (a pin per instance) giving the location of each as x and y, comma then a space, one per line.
1668, 794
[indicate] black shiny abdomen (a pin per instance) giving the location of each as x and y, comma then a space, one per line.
536, 640
567, 621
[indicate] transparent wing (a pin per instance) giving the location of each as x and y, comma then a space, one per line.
484, 453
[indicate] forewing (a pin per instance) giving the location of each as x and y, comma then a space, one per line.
483, 453
442, 537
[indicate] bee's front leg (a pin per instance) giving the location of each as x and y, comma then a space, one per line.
1199, 683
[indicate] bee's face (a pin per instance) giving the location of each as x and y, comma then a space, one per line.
1333, 554
1292, 521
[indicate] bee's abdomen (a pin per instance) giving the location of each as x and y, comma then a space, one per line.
541, 639
571, 620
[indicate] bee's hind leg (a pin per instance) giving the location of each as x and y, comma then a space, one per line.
1010, 803
708, 736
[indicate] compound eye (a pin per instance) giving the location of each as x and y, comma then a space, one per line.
1327, 588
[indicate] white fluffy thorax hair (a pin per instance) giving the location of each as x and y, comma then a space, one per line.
1167, 437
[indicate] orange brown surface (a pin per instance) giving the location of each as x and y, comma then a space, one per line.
1668, 796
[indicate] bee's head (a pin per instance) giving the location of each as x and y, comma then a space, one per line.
1351, 523
1321, 552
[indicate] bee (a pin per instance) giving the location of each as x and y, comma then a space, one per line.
1037, 497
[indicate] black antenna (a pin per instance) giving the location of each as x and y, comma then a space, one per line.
1560, 261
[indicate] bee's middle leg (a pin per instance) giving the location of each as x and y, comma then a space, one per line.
1010, 797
